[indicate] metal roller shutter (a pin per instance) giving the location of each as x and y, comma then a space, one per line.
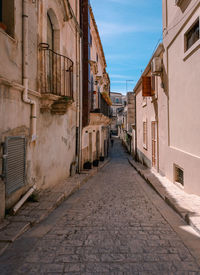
14, 163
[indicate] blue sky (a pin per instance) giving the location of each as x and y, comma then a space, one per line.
129, 31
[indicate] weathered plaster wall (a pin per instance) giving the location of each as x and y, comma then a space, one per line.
49, 157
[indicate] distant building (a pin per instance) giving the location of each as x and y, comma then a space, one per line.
117, 102
126, 121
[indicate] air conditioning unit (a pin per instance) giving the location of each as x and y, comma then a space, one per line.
156, 66
178, 2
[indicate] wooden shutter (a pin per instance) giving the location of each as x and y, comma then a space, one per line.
153, 85
148, 86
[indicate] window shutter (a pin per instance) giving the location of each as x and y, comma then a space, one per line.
146, 86
153, 85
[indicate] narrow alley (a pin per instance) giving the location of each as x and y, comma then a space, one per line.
115, 224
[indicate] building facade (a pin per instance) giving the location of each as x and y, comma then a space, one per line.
39, 94
117, 102
167, 131
128, 135
96, 93
180, 109
148, 133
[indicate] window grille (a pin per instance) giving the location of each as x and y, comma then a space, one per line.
179, 175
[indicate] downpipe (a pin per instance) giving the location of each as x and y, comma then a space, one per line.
25, 97
23, 199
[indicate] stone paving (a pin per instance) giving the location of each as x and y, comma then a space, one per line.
110, 226
32, 213
186, 205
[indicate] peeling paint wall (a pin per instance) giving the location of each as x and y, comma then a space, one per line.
49, 157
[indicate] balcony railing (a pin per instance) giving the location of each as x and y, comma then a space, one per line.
103, 108
57, 73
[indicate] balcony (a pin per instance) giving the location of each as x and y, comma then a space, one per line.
100, 115
103, 108
56, 73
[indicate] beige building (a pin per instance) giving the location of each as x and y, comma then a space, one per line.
147, 136
168, 129
39, 94
180, 110
96, 101
117, 103
128, 125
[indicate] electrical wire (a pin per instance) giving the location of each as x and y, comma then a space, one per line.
172, 27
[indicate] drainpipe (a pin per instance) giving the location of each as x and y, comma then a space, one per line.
80, 104
25, 97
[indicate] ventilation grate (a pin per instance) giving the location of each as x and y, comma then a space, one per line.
179, 175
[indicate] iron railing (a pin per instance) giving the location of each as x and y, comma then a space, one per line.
57, 73
103, 107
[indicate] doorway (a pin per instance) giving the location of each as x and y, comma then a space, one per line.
97, 145
90, 147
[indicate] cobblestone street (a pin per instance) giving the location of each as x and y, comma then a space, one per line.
112, 225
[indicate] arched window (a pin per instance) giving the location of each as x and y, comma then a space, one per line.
7, 16
53, 31
50, 33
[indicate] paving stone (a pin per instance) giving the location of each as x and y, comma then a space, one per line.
13, 231
111, 226
3, 247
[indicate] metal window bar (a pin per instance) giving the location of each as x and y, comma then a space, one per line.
57, 73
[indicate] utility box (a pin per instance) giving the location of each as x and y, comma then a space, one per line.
156, 66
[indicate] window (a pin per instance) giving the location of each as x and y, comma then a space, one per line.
192, 35
50, 33
178, 175
7, 16
145, 134
1, 13
117, 100
97, 57
147, 89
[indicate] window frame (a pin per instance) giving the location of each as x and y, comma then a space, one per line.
7, 19
196, 22
188, 52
